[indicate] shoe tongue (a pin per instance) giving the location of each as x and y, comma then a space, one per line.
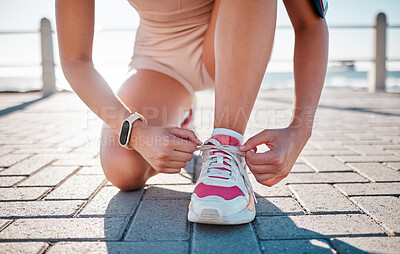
226, 140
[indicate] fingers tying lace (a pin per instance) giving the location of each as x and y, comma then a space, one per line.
224, 161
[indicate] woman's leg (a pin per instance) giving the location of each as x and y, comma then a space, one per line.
146, 92
239, 39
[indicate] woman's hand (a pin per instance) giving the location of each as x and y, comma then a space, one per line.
166, 149
285, 145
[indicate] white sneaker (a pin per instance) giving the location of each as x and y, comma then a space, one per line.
223, 193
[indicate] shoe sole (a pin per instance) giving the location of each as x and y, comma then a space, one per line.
212, 216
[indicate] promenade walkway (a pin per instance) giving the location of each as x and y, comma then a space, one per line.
341, 197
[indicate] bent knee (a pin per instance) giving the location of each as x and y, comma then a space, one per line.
124, 178
125, 169
124, 185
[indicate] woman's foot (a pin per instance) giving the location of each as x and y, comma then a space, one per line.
223, 194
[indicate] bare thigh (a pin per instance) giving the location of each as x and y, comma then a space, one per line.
208, 43
162, 100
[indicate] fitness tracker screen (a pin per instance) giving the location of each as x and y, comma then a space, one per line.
123, 139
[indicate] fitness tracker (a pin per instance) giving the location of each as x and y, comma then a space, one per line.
126, 129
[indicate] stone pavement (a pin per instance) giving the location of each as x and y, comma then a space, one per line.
341, 197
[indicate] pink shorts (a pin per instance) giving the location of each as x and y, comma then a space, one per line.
169, 40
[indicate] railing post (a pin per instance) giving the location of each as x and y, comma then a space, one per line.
377, 74
48, 72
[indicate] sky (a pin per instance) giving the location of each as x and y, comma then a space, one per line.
115, 48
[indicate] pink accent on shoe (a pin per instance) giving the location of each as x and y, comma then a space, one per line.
203, 190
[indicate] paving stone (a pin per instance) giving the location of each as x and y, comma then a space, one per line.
77, 162
65, 229
319, 198
301, 168
316, 226
36, 136
342, 177
53, 139
3, 223
110, 201
364, 142
325, 164
20, 147
74, 142
369, 189
312, 246
321, 136
325, 132
21, 193
277, 206
10, 159
42, 150
368, 150
90, 171
22, 247
171, 217
376, 171
49, 176
278, 190
341, 138
326, 145
183, 191
120, 247
344, 151
5, 151
386, 147
385, 129
362, 245
26, 167
14, 141
71, 157
8, 181
77, 187
361, 136
224, 239
170, 179
383, 209
394, 165
391, 138
310, 147
39, 208
395, 152
370, 158
87, 149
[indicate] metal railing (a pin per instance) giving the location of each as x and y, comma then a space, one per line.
376, 75
48, 70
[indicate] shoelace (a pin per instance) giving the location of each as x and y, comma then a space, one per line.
224, 154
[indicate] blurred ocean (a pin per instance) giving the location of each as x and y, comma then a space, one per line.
351, 79
348, 67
